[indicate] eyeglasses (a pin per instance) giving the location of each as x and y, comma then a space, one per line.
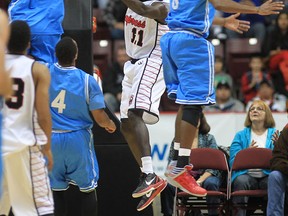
260, 109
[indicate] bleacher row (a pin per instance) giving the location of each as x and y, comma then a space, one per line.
250, 158
236, 52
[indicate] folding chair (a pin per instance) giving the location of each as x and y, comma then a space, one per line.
251, 158
204, 158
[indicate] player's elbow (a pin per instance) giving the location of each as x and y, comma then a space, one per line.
143, 11
217, 5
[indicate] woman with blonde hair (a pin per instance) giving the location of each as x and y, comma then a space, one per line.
258, 133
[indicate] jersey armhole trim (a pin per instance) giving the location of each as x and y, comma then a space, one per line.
87, 88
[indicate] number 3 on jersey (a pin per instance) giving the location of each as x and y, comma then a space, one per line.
59, 101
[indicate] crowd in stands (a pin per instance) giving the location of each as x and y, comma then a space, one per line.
266, 79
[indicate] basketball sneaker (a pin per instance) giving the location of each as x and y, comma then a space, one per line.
186, 182
148, 182
148, 198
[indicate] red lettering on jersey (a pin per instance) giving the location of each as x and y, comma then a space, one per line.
137, 23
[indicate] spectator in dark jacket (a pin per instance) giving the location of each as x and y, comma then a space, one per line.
112, 80
278, 178
114, 15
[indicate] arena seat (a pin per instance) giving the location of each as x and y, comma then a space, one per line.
250, 158
186, 203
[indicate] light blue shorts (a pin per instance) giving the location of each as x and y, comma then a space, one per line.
188, 66
43, 47
74, 161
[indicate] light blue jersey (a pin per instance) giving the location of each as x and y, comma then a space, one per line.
43, 16
194, 15
72, 94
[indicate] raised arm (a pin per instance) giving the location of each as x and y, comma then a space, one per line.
232, 23
230, 6
156, 11
41, 78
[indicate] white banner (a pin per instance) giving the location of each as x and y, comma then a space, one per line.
223, 126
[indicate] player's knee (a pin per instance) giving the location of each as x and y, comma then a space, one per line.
134, 114
125, 125
191, 114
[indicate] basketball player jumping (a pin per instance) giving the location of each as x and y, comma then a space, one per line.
188, 62
143, 86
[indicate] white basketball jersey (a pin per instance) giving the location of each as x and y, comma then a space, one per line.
18, 111
142, 35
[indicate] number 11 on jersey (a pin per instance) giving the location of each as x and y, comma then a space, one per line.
59, 101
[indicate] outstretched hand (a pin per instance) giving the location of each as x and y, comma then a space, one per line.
270, 7
275, 137
253, 144
239, 26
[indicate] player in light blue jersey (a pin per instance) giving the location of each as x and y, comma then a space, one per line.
188, 65
73, 94
45, 20
5, 82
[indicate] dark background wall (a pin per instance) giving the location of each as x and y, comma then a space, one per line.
119, 171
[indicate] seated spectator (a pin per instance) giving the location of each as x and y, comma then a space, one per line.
278, 178
114, 15
220, 75
224, 100
277, 44
257, 23
208, 179
112, 80
250, 80
266, 93
258, 133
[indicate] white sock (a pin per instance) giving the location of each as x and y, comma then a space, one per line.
184, 152
176, 145
147, 166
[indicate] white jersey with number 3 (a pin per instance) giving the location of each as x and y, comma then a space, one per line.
18, 127
142, 35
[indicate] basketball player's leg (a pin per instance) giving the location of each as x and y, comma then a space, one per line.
195, 89
89, 203
32, 194
57, 176
126, 126
139, 105
60, 203
82, 171
5, 204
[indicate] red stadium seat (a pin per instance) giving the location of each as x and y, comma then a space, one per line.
204, 158
251, 158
